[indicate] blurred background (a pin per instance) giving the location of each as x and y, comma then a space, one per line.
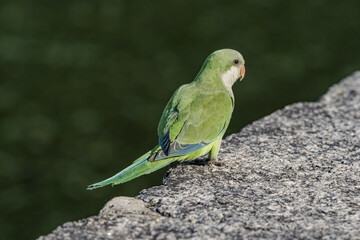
83, 85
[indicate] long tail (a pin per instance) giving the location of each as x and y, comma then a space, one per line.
139, 167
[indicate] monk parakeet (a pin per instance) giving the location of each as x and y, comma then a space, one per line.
194, 120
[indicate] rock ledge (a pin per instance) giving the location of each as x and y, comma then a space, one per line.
292, 174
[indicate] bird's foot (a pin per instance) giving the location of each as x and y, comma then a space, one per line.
215, 163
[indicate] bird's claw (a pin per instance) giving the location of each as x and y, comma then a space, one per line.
215, 163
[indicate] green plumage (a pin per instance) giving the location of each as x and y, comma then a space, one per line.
194, 120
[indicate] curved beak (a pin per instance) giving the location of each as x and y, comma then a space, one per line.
242, 72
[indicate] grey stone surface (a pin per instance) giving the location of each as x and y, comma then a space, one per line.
126, 206
292, 174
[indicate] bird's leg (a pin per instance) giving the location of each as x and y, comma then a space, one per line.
213, 160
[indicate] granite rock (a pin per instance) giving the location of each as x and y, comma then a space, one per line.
292, 174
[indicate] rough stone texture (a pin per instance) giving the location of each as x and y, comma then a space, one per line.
293, 174
126, 206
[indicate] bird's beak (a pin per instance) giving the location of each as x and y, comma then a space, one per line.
242, 72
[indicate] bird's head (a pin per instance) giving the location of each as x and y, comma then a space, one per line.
229, 63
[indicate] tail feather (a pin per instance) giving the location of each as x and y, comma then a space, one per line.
139, 167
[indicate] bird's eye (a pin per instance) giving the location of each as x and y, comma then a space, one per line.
236, 61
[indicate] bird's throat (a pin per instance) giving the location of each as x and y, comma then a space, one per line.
229, 77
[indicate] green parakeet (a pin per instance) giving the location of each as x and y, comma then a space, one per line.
194, 120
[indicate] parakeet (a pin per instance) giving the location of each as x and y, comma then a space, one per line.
194, 120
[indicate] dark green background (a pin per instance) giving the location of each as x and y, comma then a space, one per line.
83, 85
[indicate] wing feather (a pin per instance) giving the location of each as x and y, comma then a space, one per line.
192, 119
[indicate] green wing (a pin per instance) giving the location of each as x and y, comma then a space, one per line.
170, 126
192, 119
